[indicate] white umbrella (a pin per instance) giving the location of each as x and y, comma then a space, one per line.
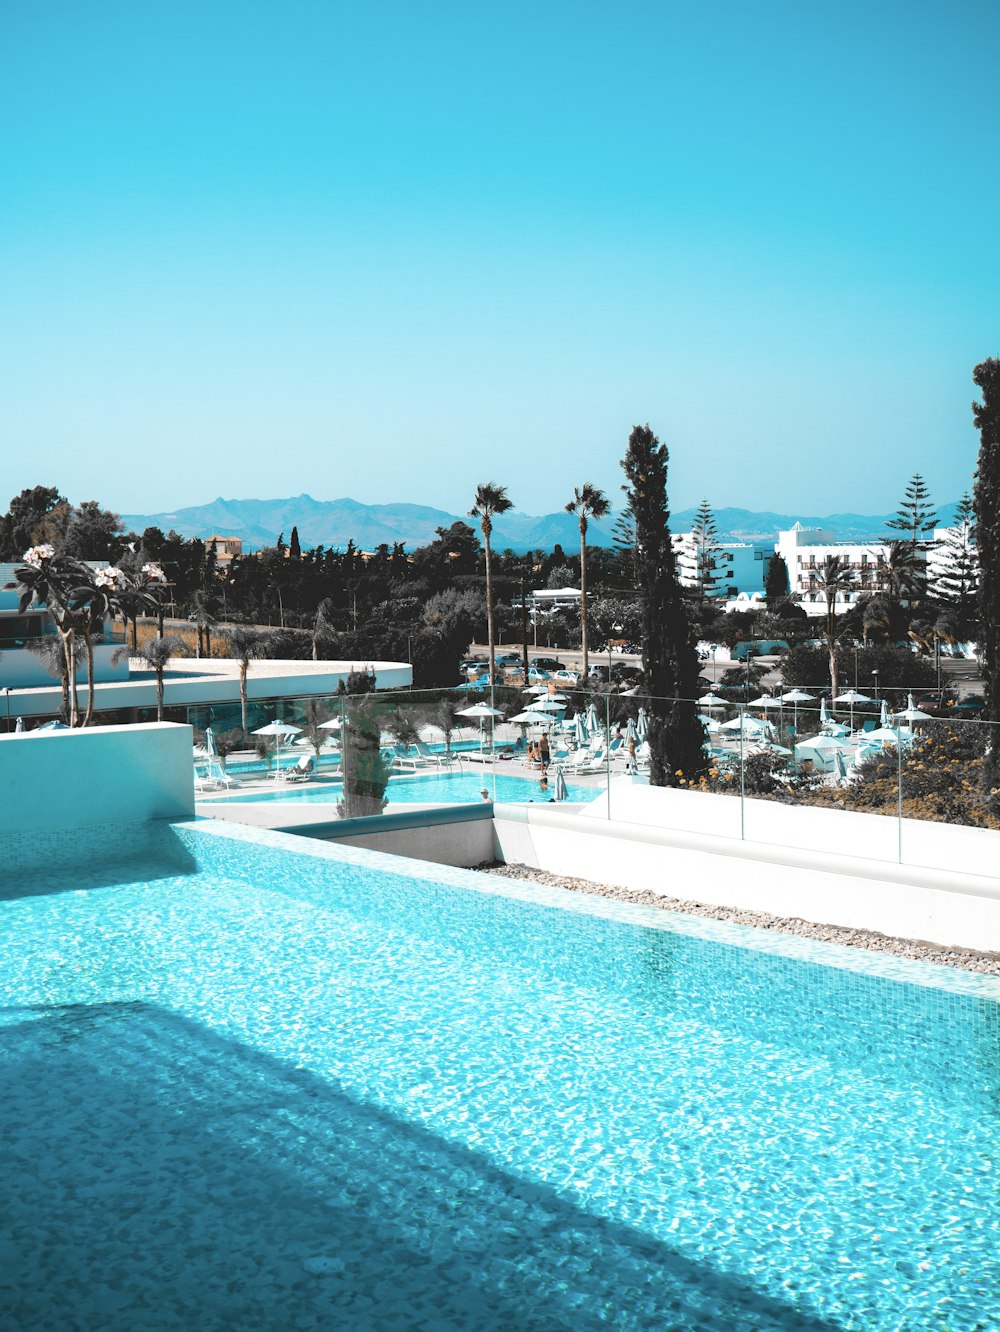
883, 717
630, 732
560, 788
19, 726
821, 742
642, 724
334, 724
592, 719
480, 710
824, 716
766, 701
546, 705
536, 689
795, 697
911, 715
711, 724
580, 729
748, 725
53, 726
712, 701
277, 729
534, 719
851, 697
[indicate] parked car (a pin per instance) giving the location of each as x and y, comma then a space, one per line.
971, 706
536, 676
548, 664
566, 677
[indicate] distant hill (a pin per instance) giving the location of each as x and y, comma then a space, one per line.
333, 523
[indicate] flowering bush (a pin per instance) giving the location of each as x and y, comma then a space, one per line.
34, 557
109, 576
153, 573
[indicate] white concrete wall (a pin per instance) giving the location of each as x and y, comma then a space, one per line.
21, 669
842, 885
55, 781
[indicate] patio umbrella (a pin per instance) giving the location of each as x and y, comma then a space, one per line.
536, 689
748, 725
19, 726
631, 732
278, 729
560, 787
546, 705
824, 716
911, 715
482, 711
711, 700
580, 729
851, 697
593, 721
53, 726
534, 719
711, 724
795, 697
883, 716
642, 724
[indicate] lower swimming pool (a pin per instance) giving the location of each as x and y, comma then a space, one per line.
446, 787
251, 1082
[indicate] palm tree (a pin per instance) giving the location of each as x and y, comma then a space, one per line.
491, 499
833, 577
56, 581
204, 619
324, 625
587, 502
156, 652
246, 645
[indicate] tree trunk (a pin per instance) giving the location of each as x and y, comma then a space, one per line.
489, 603
208, 641
243, 696
89, 715
159, 695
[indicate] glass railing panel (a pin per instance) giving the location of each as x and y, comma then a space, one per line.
950, 794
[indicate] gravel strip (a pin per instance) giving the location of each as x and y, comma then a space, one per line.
988, 964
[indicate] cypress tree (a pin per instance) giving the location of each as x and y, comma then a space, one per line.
776, 580
670, 662
294, 549
986, 498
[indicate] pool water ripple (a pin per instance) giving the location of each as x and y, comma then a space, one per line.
377, 1100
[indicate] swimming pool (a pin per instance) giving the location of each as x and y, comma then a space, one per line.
446, 787
252, 1082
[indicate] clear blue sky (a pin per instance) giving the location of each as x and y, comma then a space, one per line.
390, 250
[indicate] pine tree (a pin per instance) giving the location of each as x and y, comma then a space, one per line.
294, 549
705, 538
916, 515
958, 578
676, 738
987, 505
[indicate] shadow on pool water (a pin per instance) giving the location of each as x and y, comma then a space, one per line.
156, 1174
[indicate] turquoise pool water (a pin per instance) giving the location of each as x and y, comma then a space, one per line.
250, 1086
447, 787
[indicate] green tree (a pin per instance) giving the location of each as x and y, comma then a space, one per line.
294, 549
958, 578
364, 772
702, 564
25, 513
246, 645
916, 515
623, 542
587, 502
491, 499
56, 582
157, 653
776, 581
986, 498
676, 738
833, 579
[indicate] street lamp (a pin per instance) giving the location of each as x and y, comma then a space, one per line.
875, 683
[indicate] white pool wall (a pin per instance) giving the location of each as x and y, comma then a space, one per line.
57, 781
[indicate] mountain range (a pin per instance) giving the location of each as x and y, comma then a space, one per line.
332, 523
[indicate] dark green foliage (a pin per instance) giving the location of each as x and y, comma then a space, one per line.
986, 416
704, 563
776, 581
671, 664
916, 515
26, 512
958, 580
294, 549
898, 669
365, 773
